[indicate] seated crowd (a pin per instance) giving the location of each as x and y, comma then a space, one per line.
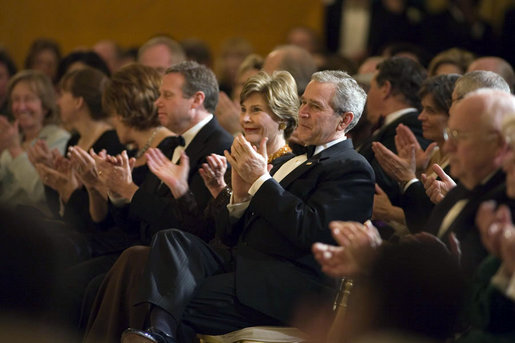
159, 208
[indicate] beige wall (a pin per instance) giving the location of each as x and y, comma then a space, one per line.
76, 23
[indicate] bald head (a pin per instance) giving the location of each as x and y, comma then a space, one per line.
477, 79
297, 61
496, 65
160, 53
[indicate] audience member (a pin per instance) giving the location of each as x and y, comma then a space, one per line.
478, 79
383, 306
490, 309
197, 50
275, 272
81, 59
7, 70
496, 65
232, 53
110, 52
269, 109
476, 149
392, 100
309, 40
80, 104
44, 55
297, 61
32, 102
411, 161
160, 53
228, 110
130, 100
451, 61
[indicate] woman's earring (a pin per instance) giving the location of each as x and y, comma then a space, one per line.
282, 126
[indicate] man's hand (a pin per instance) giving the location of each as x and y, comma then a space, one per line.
248, 162
173, 175
401, 169
357, 246
383, 208
435, 189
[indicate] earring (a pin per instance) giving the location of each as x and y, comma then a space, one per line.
282, 126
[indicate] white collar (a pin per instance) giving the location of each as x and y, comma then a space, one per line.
324, 146
189, 134
390, 118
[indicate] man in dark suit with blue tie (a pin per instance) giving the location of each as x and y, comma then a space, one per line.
273, 218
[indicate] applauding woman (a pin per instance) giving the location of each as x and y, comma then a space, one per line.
32, 102
80, 103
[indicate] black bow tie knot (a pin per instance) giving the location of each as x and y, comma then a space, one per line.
298, 149
176, 141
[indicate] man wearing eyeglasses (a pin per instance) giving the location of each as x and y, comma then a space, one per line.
476, 150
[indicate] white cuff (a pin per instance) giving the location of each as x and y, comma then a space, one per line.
257, 184
237, 210
409, 183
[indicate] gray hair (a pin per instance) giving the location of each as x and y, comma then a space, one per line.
348, 95
479, 79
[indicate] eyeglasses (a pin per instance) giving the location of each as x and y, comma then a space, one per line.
457, 135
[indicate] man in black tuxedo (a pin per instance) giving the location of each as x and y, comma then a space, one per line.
476, 150
189, 94
272, 221
392, 100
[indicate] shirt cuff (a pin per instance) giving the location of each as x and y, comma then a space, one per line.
257, 184
405, 186
118, 202
237, 210
504, 283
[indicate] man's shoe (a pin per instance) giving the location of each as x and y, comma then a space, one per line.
151, 335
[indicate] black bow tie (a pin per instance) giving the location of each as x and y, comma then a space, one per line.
298, 149
176, 141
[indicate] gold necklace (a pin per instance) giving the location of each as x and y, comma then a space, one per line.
281, 152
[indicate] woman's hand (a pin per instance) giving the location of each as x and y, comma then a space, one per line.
41, 153
173, 175
405, 142
116, 173
10, 137
213, 173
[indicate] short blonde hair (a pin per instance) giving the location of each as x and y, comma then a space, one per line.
280, 93
131, 94
40, 84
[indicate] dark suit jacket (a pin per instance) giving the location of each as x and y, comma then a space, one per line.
417, 206
386, 136
275, 269
153, 205
488, 312
464, 225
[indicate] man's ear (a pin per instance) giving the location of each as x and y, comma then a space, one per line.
79, 102
386, 89
345, 121
198, 99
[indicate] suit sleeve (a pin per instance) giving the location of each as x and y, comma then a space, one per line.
417, 206
341, 191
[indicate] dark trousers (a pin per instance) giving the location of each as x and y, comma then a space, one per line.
196, 287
